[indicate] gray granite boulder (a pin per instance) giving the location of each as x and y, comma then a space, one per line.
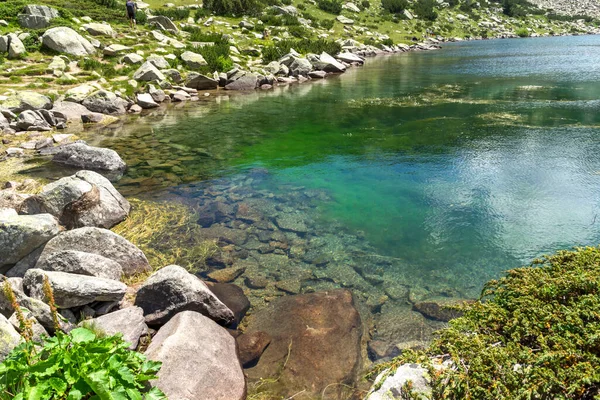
163, 23
22, 234
146, 101
199, 360
129, 322
105, 102
82, 155
97, 29
201, 82
171, 290
193, 60
69, 110
10, 338
32, 121
132, 59
329, 64
300, 66
72, 290
82, 263
246, 82
148, 72
37, 16
16, 48
66, 40
38, 308
27, 100
89, 240
389, 385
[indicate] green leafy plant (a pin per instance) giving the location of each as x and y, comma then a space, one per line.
73, 366
522, 32
330, 6
176, 14
534, 334
141, 18
394, 6
232, 7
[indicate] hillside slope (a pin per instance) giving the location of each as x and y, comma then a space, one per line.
571, 7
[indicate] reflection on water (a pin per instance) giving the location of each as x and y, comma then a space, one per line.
434, 171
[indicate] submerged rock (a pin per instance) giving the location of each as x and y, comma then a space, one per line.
171, 290
251, 346
233, 297
199, 360
82, 155
72, 290
325, 332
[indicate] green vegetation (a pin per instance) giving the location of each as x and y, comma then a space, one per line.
534, 334
330, 6
176, 14
77, 365
216, 55
232, 7
522, 32
141, 18
304, 46
394, 6
425, 9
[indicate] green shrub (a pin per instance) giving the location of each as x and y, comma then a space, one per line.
108, 3
175, 14
10, 9
301, 6
425, 9
104, 69
365, 4
522, 32
217, 55
298, 31
387, 42
394, 6
534, 334
141, 18
327, 23
32, 42
286, 2
277, 50
330, 6
232, 7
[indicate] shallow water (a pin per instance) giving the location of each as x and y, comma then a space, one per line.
434, 171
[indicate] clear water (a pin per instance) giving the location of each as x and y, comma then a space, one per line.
456, 164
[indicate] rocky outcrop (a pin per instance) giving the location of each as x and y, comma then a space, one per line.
201, 82
325, 331
246, 82
66, 40
199, 360
72, 290
90, 240
129, 322
26, 100
22, 234
163, 23
193, 60
83, 156
171, 290
37, 17
81, 263
105, 102
69, 110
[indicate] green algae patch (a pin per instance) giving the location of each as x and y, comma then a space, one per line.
534, 333
168, 234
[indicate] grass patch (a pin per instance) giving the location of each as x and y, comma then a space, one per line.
168, 234
303, 46
175, 14
534, 334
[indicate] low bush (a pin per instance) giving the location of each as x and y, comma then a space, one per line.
106, 70
522, 32
365, 4
330, 6
233, 7
217, 55
141, 18
108, 3
327, 23
32, 43
534, 334
277, 50
175, 14
298, 31
394, 6
425, 9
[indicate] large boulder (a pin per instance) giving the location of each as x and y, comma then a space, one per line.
79, 93
171, 290
32, 120
199, 360
300, 66
81, 263
96, 29
246, 82
66, 40
193, 60
201, 82
82, 155
129, 322
38, 309
115, 49
72, 290
329, 64
251, 346
148, 72
22, 234
233, 297
350, 58
37, 17
90, 240
27, 100
16, 48
325, 333
146, 101
105, 102
163, 23
10, 338
69, 110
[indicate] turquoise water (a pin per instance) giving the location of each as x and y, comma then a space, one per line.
452, 166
